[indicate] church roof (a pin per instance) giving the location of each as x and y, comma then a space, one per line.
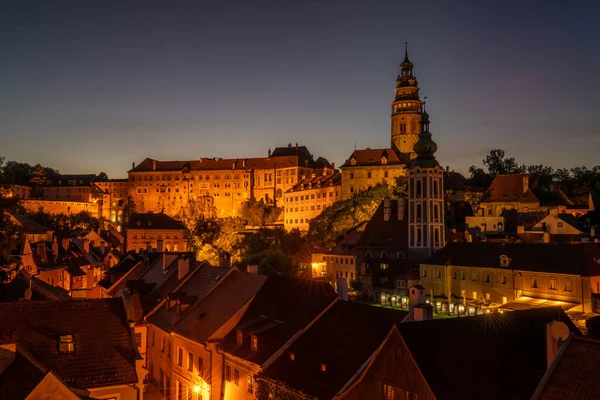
368, 157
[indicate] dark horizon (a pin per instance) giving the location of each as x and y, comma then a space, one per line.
94, 87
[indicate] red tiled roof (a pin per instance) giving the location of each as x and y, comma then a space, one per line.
347, 245
153, 221
318, 181
20, 378
509, 188
343, 339
373, 157
493, 356
575, 374
579, 259
203, 319
104, 350
291, 301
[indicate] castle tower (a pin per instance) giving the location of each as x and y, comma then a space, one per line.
425, 196
406, 109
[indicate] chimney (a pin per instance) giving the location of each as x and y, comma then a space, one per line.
41, 250
525, 183
447, 169
7, 355
333, 166
546, 237
159, 245
55, 246
183, 266
520, 229
423, 312
252, 269
296, 144
401, 209
102, 247
132, 165
556, 333
153, 165
86, 245
66, 242
387, 209
593, 230
164, 261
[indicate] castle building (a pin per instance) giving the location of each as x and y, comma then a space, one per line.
368, 167
219, 184
309, 197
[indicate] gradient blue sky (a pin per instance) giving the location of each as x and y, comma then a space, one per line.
90, 86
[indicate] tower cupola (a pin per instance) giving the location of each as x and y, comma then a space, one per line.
425, 146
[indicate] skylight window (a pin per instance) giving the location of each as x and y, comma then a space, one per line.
66, 344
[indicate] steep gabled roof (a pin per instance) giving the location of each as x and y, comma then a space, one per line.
343, 339
201, 321
369, 157
291, 302
318, 181
392, 233
153, 221
578, 259
501, 355
509, 188
15, 289
104, 354
574, 374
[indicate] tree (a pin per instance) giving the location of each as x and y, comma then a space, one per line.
11, 235
497, 163
102, 177
257, 213
128, 209
273, 262
38, 180
197, 209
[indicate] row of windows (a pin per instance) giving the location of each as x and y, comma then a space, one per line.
342, 260
167, 247
235, 378
370, 174
384, 255
295, 221
291, 199
340, 274
151, 236
150, 178
302, 209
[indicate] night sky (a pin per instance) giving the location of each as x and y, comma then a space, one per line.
90, 86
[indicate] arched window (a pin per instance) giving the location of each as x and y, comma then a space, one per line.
383, 255
436, 213
435, 188
401, 256
419, 213
418, 188
368, 254
437, 236
419, 236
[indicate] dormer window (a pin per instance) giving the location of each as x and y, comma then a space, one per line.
254, 343
240, 337
66, 344
383, 160
504, 261
353, 161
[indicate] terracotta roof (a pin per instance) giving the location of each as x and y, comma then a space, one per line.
293, 302
20, 378
391, 234
15, 289
200, 322
347, 245
343, 339
509, 188
575, 373
579, 259
317, 181
30, 226
216, 163
104, 350
153, 221
373, 157
200, 282
501, 355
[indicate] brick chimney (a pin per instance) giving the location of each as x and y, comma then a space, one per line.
387, 209
102, 247
183, 266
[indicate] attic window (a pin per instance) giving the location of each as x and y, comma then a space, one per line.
66, 344
353, 161
322, 367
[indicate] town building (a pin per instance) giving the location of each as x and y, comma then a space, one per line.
155, 232
281, 310
88, 346
326, 361
220, 186
342, 260
310, 197
186, 327
471, 278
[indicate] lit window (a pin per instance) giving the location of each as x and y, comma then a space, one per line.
552, 284
236, 377
534, 282
567, 285
254, 343
66, 344
228, 373
190, 361
180, 356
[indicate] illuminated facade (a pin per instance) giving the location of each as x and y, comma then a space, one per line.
309, 197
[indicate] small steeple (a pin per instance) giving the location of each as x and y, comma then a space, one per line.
425, 146
406, 68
